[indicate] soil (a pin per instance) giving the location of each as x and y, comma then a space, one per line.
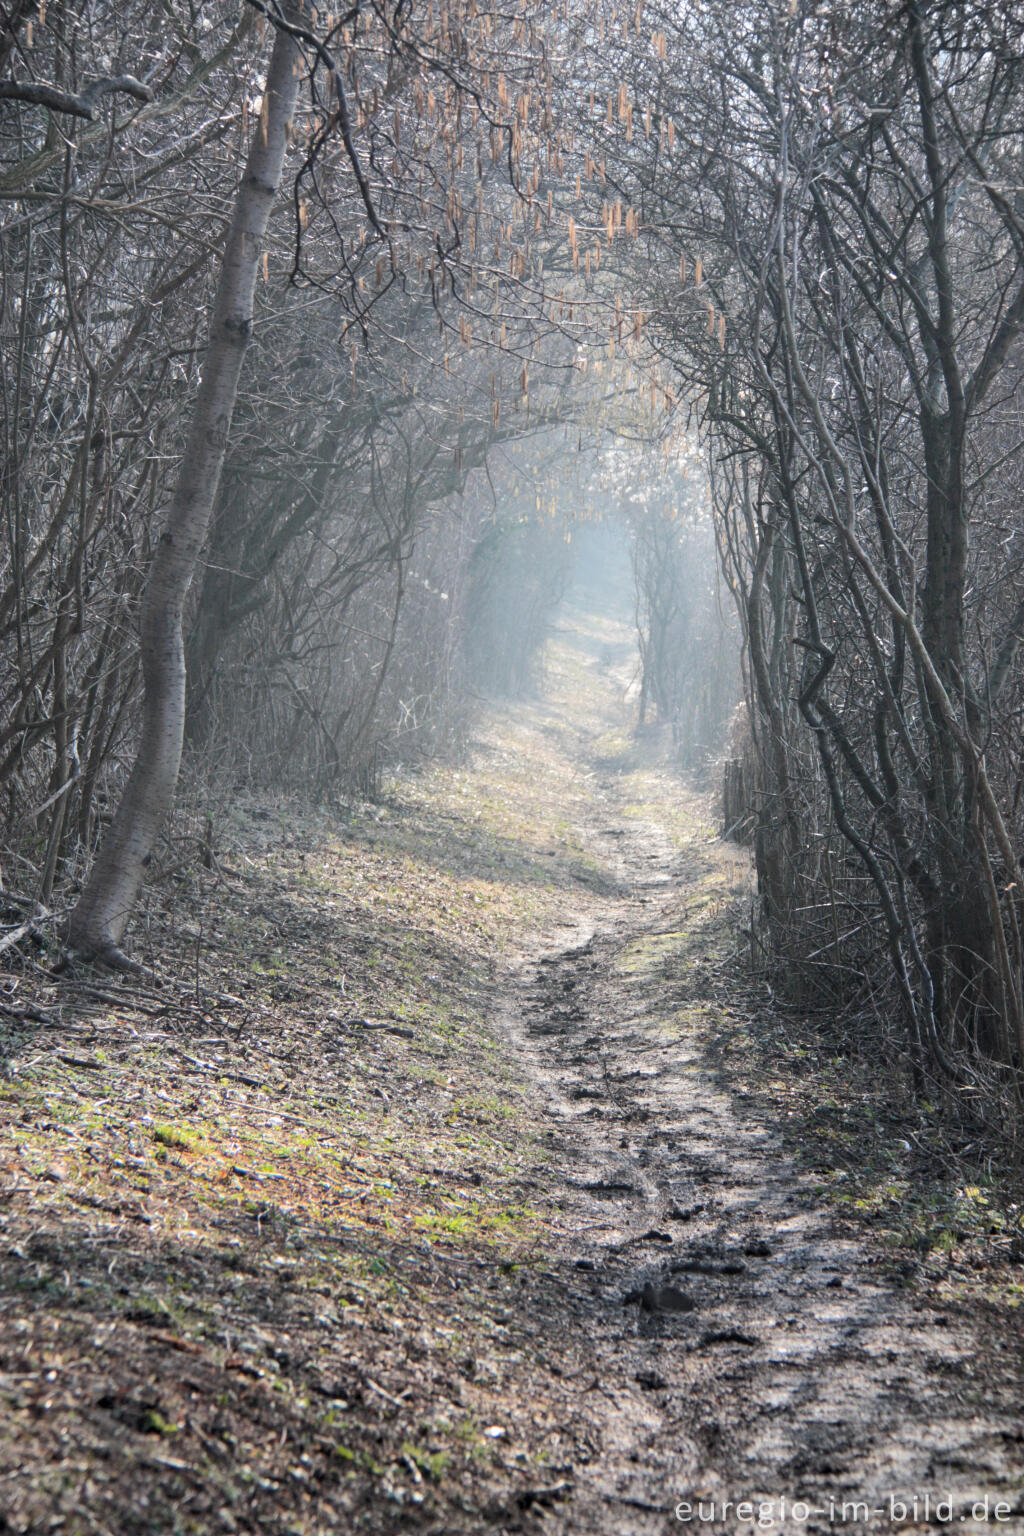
458, 1178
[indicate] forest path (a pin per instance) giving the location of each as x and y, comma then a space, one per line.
743, 1350
439, 1186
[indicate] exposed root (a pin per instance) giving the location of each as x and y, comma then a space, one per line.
110, 957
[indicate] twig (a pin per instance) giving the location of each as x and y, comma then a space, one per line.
15, 934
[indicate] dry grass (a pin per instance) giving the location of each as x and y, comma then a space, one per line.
283, 1242
261, 1226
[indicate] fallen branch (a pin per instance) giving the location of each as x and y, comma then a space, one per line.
15, 935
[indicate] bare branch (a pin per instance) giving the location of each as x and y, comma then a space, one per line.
39, 94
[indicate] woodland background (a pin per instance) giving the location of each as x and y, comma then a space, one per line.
748, 280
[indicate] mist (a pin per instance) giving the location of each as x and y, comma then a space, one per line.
511, 789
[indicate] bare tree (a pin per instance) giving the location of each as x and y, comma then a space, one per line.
835, 268
101, 914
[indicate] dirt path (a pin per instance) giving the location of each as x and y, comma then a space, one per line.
743, 1353
440, 1190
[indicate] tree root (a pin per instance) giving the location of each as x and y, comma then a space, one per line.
112, 958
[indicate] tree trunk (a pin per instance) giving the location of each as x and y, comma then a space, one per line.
98, 922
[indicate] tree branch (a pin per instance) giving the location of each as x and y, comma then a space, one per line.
39, 94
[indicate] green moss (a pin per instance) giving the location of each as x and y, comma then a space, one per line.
432, 1464
177, 1136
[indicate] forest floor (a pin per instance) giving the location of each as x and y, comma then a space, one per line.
458, 1180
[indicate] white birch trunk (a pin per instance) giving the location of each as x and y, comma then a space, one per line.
101, 915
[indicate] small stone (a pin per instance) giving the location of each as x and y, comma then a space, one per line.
757, 1248
681, 1213
650, 1381
665, 1298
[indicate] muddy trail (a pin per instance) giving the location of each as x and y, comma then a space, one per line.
449, 1194
750, 1364
743, 1353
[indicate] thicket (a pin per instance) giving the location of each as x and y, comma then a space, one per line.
327, 626
792, 235
836, 238
686, 629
